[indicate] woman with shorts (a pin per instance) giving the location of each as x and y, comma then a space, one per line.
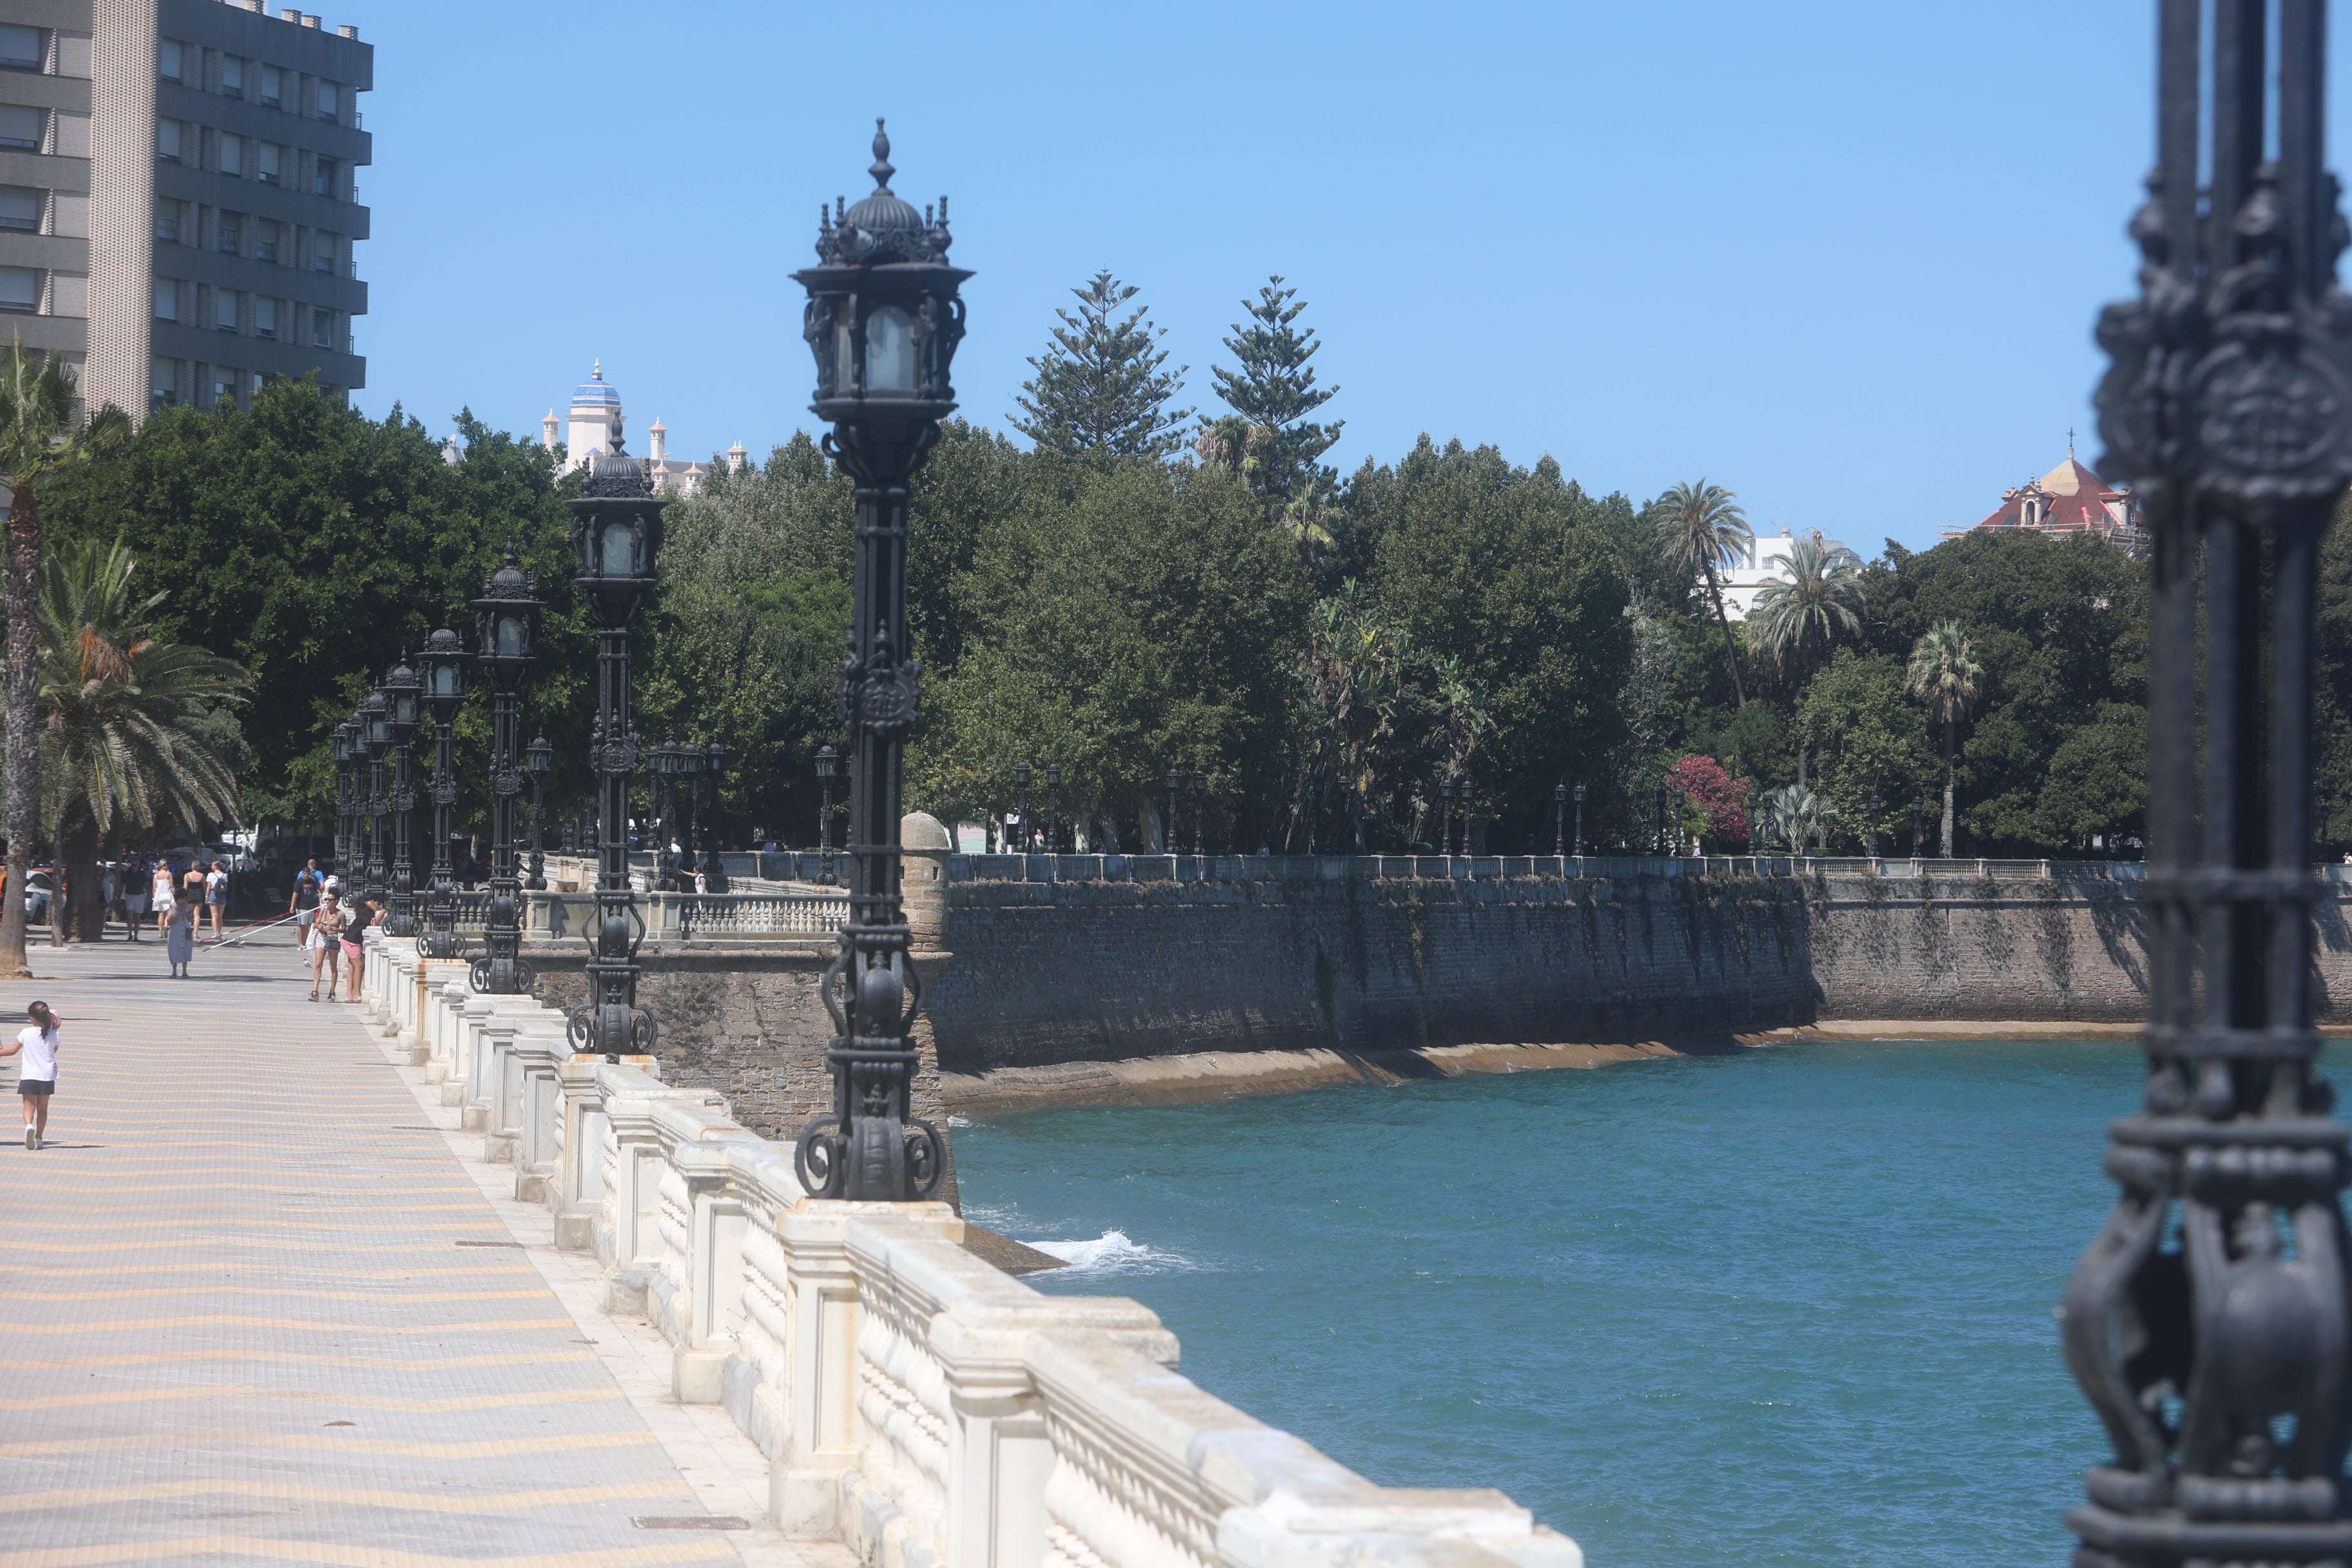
326, 944
361, 916
37, 1075
161, 891
134, 898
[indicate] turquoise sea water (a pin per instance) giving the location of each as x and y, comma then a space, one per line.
1791, 1306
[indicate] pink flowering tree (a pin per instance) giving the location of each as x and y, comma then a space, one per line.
1712, 797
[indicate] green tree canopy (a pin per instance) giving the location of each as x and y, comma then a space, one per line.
1102, 386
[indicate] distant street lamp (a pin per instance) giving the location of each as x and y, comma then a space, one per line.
537, 759
616, 534
340, 742
883, 320
714, 864
400, 693
506, 630
1469, 807
1020, 802
444, 660
1445, 817
1175, 786
827, 760
1580, 822
375, 739
689, 764
1919, 810
1200, 811
2208, 1323
662, 762
1053, 808
1560, 820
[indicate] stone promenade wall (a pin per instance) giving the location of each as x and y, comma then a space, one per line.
1357, 971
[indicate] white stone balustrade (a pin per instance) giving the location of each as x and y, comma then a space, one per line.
914, 1403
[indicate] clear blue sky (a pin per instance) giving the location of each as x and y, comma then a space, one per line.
1843, 258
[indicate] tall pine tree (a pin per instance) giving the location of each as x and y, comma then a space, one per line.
1268, 440
1101, 387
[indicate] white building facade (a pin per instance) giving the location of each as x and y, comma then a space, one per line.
1765, 563
598, 428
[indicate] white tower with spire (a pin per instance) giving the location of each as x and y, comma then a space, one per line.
549, 432
596, 421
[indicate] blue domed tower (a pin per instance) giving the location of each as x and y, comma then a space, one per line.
596, 420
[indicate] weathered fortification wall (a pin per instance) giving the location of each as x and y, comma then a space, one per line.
1320, 980
1050, 972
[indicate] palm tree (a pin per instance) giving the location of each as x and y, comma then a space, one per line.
1944, 674
1700, 527
1797, 621
41, 432
1794, 816
119, 752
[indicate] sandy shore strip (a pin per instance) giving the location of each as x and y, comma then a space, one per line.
1194, 1077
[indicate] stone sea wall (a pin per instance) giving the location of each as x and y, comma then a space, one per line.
1290, 981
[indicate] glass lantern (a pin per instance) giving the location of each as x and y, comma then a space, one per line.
538, 757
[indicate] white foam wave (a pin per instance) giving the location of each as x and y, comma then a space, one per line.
1112, 1252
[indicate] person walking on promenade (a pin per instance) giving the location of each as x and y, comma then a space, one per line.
361, 916
180, 932
326, 940
309, 883
216, 895
134, 896
37, 1075
160, 892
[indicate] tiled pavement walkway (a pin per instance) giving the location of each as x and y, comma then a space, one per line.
254, 1309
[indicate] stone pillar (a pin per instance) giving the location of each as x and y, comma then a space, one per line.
923, 876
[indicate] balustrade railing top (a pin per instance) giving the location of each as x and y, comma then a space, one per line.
967, 868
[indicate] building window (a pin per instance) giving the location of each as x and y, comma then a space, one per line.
167, 220
230, 228
23, 128
322, 329
265, 318
20, 208
265, 239
330, 101
168, 140
273, 86
225, 309
167, 299
21, 47
167, 58
267, 160
231, 156
163, 382
232, 77
322, 252
20, 289
325, 184
224, 386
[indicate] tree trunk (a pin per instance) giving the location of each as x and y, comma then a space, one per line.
1949, 725
1738, 689
77, 860
20, 758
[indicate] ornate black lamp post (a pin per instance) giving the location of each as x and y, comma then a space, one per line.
444, 660
884, 320
1919, 810
1560, 820
1445, 819
340, 743
686, 766
661, 762
714, 864
617, 532
1175, 785
827, 760
1020, 801
537, 759
1876, 806
400, 692
1200, 811
1053, 808
1580, 822
1658, 820
506, 630
375, 740
1469, 795
2209, 1324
